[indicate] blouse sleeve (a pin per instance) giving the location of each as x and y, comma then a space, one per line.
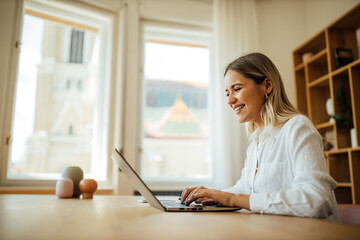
311, 192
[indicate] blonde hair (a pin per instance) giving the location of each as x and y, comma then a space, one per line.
277, 109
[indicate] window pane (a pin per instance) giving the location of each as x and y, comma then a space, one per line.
56, 101
175, 114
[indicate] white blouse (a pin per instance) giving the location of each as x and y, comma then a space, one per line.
292, 176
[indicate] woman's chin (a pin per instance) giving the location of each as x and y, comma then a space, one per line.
241, 120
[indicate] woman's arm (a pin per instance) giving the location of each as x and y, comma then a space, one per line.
207, 196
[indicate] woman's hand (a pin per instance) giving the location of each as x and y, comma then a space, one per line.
188, 191
210, 196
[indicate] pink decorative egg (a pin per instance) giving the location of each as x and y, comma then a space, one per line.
64, 188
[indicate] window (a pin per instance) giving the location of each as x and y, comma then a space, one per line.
175, 125
61, 103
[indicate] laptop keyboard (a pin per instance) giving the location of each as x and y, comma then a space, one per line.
178, 205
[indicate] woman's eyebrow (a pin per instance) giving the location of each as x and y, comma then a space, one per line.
235, 84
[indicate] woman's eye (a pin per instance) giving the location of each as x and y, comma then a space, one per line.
235, 90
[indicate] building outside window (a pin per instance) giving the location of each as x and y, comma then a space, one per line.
175, 125
60, 108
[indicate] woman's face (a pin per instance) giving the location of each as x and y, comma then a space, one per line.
245, 97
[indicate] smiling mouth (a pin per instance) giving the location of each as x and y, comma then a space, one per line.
239, 108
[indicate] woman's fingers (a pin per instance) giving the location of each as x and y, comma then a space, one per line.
197, 193
185, 193
189, 193
200, 200
208, 196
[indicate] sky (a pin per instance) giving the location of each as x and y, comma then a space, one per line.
174, 62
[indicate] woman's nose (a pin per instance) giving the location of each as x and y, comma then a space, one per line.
231, 99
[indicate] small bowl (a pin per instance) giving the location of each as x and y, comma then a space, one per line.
306, 56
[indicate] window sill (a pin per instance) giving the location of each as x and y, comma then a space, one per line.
47, 191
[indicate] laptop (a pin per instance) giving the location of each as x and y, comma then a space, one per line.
167, 206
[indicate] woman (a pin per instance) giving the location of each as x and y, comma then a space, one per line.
285, 171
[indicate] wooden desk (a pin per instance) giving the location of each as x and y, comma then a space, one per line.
123, 217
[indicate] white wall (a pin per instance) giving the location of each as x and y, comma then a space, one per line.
321, 13
281, 28
283, 25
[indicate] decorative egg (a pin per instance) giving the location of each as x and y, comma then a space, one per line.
64, 188
75, 173
88, 187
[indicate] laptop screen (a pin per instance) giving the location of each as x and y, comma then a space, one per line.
135, 180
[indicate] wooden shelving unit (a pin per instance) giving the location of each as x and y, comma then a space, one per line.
319, 79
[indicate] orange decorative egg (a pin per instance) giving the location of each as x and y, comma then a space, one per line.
88, 187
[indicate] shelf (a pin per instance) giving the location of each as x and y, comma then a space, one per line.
342, 39
300, 67
355, 62
341, 81
355, 178
339, 167
319, 93
354, 149
355, 97
343, 150
317, 56
325, 125
345, 68
318, 66
300, 86
322, 81
343, 195
312, 59
344, 184
313, 45
322, 77
338, 151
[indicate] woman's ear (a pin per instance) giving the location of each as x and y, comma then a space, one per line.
268, 85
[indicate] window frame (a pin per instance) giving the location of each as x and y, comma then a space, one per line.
173, 33
103, 20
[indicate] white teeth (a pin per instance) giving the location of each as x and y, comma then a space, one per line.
238, 108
